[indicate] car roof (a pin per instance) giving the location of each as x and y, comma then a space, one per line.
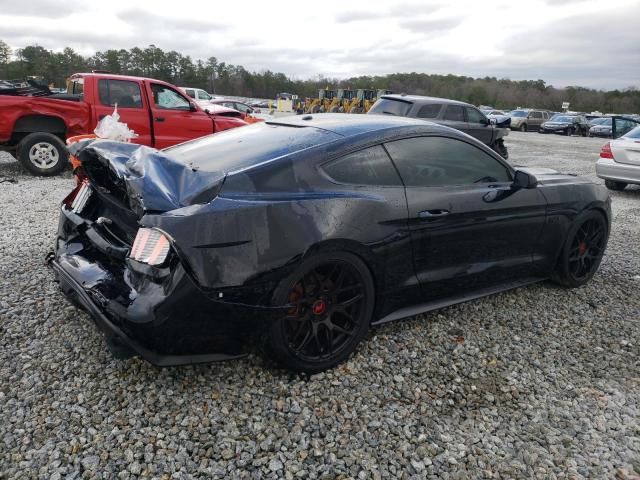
423, 99
347, 125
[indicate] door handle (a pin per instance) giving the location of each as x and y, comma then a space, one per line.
433, 213
159, 119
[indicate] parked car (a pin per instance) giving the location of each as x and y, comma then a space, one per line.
459, 115
36, 127
525, 119
619, 162
303, 233
501, 118
200, 96
601, 127
242, 107
566, 125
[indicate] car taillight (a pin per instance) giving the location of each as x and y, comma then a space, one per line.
150, 247
606, 152
79, 196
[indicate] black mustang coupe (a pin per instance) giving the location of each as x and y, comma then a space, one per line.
300, 233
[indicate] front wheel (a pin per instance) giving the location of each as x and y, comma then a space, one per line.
523, 127
583, 250
330, 298
43, 154
613, 185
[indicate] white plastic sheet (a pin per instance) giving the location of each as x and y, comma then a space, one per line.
111, 128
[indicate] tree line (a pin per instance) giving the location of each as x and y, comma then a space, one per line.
223, 78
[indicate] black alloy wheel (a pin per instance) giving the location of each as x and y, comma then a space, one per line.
583, 250
330, 299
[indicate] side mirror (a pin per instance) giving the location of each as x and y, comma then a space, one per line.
522, 179
492, 121
192, 107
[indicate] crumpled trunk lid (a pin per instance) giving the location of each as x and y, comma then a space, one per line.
143, 178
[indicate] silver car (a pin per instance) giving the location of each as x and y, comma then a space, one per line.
619, 162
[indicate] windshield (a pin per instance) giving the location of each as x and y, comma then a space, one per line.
240, 148
518, 113
388, 106
562, 118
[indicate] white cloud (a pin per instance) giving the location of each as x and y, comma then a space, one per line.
524, 40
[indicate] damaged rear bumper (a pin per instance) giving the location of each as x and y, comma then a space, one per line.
115, 336
162, 316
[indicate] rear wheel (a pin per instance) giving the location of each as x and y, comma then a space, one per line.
43, 154
331, 298
583, 250
613, 185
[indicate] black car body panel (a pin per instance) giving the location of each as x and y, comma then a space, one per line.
237, 228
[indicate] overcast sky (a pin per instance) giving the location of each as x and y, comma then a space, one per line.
592, 43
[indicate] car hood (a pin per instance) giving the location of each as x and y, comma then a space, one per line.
146, 179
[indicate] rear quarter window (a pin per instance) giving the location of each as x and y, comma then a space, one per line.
429, 111
370, 166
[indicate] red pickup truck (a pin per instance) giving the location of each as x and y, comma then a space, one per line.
35, 127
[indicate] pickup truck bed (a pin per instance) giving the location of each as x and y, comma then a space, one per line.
35, 127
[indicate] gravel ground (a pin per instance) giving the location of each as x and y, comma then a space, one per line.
540, 382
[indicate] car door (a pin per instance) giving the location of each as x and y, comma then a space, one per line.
535, 119
174, 118
470, 228
381, 221
478, 125
622, 125
453, 116
132, 106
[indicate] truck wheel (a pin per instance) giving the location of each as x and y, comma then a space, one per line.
43, 154
501, 148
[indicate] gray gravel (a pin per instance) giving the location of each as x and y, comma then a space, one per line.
540, 382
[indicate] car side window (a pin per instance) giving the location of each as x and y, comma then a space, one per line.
537, 115
370, 166
202, 95
474, 116
454, 113
168, 99
191, 92
429, 111
441, 161
124, 93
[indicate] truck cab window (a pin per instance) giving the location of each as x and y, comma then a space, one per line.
167, 98
123, 93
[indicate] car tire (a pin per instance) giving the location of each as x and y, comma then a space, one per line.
569, 132
585, 132
43, 154
616, 186
333, 294
523, 127
582, 250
